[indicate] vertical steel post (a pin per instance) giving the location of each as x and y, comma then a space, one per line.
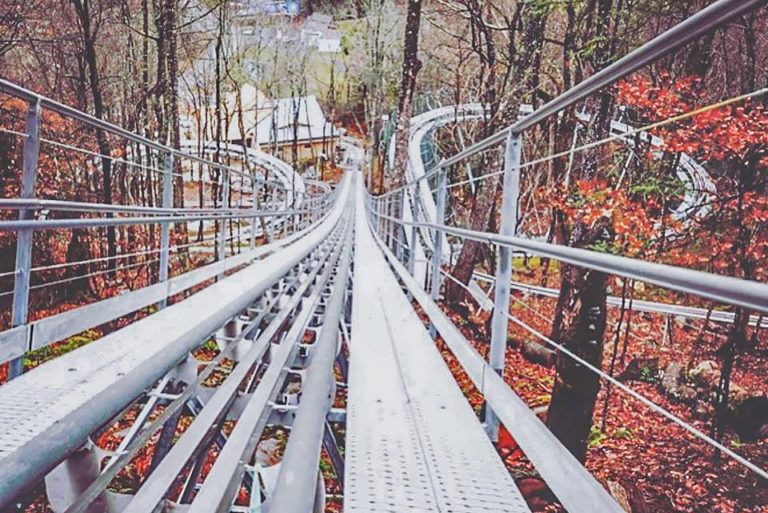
254, 207
165, 228
400, 233
387, 222
224, 207
414, 234
24, 237
437, 248
500, 321
272, 218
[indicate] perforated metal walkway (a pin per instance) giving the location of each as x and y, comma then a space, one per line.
413, 442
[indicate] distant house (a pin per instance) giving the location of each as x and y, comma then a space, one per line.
298, 120
317, 32
272, 125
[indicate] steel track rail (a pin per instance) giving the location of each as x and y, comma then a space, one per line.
119, 461
223, 481
297, 480
80, 391
154, 489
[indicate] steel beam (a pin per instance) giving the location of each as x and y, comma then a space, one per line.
24, 237
500, 320
294, 491
437, 247
165, 228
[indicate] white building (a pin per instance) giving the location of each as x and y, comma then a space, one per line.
317, 32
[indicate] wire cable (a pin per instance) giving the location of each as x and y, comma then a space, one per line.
647, 402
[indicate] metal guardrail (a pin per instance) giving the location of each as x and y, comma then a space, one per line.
748, 294
726, 289
43, 102
573, 485
125, 365
287, 207
709, 18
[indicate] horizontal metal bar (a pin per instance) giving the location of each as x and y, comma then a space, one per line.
14, 342
83, 206
65, 110
52, 224
734, 291
707, 19
297, 480
638, 305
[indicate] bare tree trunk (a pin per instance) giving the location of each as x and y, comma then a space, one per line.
89, 34
411, 67
583, 325
487, 192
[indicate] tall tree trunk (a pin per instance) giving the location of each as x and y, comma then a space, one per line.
583, 294
487, 192
89, 34
411, 67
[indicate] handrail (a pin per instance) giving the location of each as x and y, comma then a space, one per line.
52, 224
727, 289
80, 206
678, 36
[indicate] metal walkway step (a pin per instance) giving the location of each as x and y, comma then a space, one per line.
413, 442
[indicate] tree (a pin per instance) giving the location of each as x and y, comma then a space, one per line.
411, 67
580, 330
89, 33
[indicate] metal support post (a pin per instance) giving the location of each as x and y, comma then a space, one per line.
387, 222
165, 228
437, 248
254, 207
414, 234
272, 218
24, 237
400, 229
223, 223
509, 216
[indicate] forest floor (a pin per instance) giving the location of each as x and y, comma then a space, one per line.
662, 467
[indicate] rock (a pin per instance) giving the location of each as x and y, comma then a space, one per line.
750, 419
267, 452
537, 353
640, 369
703, 410
673, 384
619, 493
706, 373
